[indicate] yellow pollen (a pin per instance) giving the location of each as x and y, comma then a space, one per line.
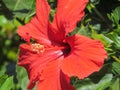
37, 48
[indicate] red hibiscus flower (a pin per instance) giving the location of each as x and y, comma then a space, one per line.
54, 57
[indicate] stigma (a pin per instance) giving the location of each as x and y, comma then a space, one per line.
35, 47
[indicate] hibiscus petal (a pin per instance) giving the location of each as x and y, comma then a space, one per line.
68, 13
86, 56
53, 78
37, 28
35, 62
42, 12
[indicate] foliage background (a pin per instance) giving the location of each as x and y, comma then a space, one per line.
102, 22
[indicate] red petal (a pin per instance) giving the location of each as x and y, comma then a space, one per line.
69, 12
86, 57
35, 62
38, 26
42, 12
53, 78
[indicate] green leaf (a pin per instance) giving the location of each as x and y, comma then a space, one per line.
95, 1
85, 84
104, 82
22, 77
105, 40
115, 84
82, 30
115, 15
101, 85
3, 20
9, 26
16, 22
11, 55
2, 79
8, 84
116, 39
2, 69
21, 8
116, 68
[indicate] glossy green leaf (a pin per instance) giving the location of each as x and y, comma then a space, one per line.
81, 30
22, 74
3, 20
8, 84
2, 79
116, 40
101, 85
95, 1
20, 8
105, 40
104, 82
85, 84
115, 15
116, 67
16, 23
115, 85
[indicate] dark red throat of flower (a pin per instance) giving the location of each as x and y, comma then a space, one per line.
67, 49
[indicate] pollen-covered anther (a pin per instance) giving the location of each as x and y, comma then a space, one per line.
37, 48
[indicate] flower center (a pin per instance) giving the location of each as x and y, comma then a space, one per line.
66, 49
37, 48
